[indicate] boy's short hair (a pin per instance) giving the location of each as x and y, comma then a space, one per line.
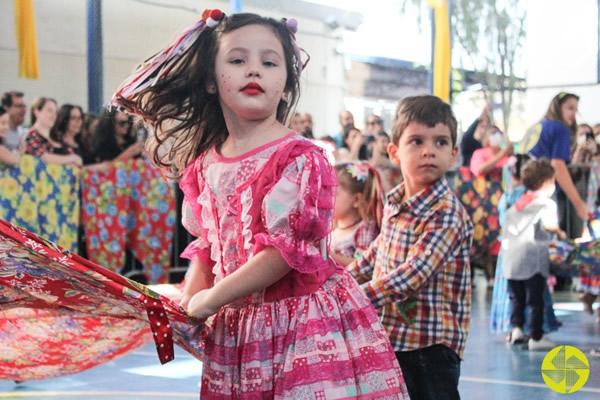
536, 172
427, 110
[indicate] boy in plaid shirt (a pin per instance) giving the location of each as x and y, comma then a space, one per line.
417, 272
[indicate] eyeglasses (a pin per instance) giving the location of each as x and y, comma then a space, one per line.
123, 124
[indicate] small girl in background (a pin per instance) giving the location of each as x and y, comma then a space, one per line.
286, 320
358, 210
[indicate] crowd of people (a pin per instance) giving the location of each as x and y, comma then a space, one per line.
65, 135
387, 315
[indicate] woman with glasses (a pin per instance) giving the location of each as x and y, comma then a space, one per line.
67, 127
39, 142
114, 138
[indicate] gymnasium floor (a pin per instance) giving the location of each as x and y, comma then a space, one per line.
491, 369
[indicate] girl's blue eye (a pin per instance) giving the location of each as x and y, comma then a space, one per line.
269, 64
237, 61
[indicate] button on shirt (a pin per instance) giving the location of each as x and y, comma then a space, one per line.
417, 272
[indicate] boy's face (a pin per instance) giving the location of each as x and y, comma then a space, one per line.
424, 154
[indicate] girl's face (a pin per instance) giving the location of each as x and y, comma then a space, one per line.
346, 204
46, 117
75, 121
568, 110
3, 124
250, 71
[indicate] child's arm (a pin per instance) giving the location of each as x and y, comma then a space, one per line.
342, 259
430, 253
262, 270
362, 269
199, 277
556, 229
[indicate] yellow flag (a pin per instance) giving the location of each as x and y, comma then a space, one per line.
26, 43
441, 59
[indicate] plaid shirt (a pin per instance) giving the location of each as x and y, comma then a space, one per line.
417, 272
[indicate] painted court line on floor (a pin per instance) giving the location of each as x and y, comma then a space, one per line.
520, 383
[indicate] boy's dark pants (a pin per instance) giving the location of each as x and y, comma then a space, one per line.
529, 292
431, 372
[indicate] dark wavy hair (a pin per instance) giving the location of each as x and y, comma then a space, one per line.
554, 113
62, 121
104, 138
184, 115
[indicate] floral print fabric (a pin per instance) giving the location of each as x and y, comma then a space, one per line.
42, 198
129, 206
87, 308
480, 198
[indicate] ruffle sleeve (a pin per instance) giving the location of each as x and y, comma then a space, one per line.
297, 211
191, 216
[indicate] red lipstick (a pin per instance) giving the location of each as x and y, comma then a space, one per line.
252, 88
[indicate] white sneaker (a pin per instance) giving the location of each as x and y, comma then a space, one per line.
542, 344
517, 335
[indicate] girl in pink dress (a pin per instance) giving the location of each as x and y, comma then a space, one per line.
358, 210
284, 320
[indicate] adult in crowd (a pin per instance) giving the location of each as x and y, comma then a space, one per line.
551, 138
14, 104
389, 173
69, 119
471, 139
307, 125
494, 153
114, 138
296, 122
85, 138
6, 156
353, 139
38, 141
585, 145
346, 120
374, 125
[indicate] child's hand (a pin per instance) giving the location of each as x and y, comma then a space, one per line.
562, 235
185, 300
199, 305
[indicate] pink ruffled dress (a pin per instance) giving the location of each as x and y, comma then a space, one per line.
311, 335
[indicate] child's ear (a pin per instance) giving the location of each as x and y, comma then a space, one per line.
392, 150
284, 96
454, 155
358, 198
